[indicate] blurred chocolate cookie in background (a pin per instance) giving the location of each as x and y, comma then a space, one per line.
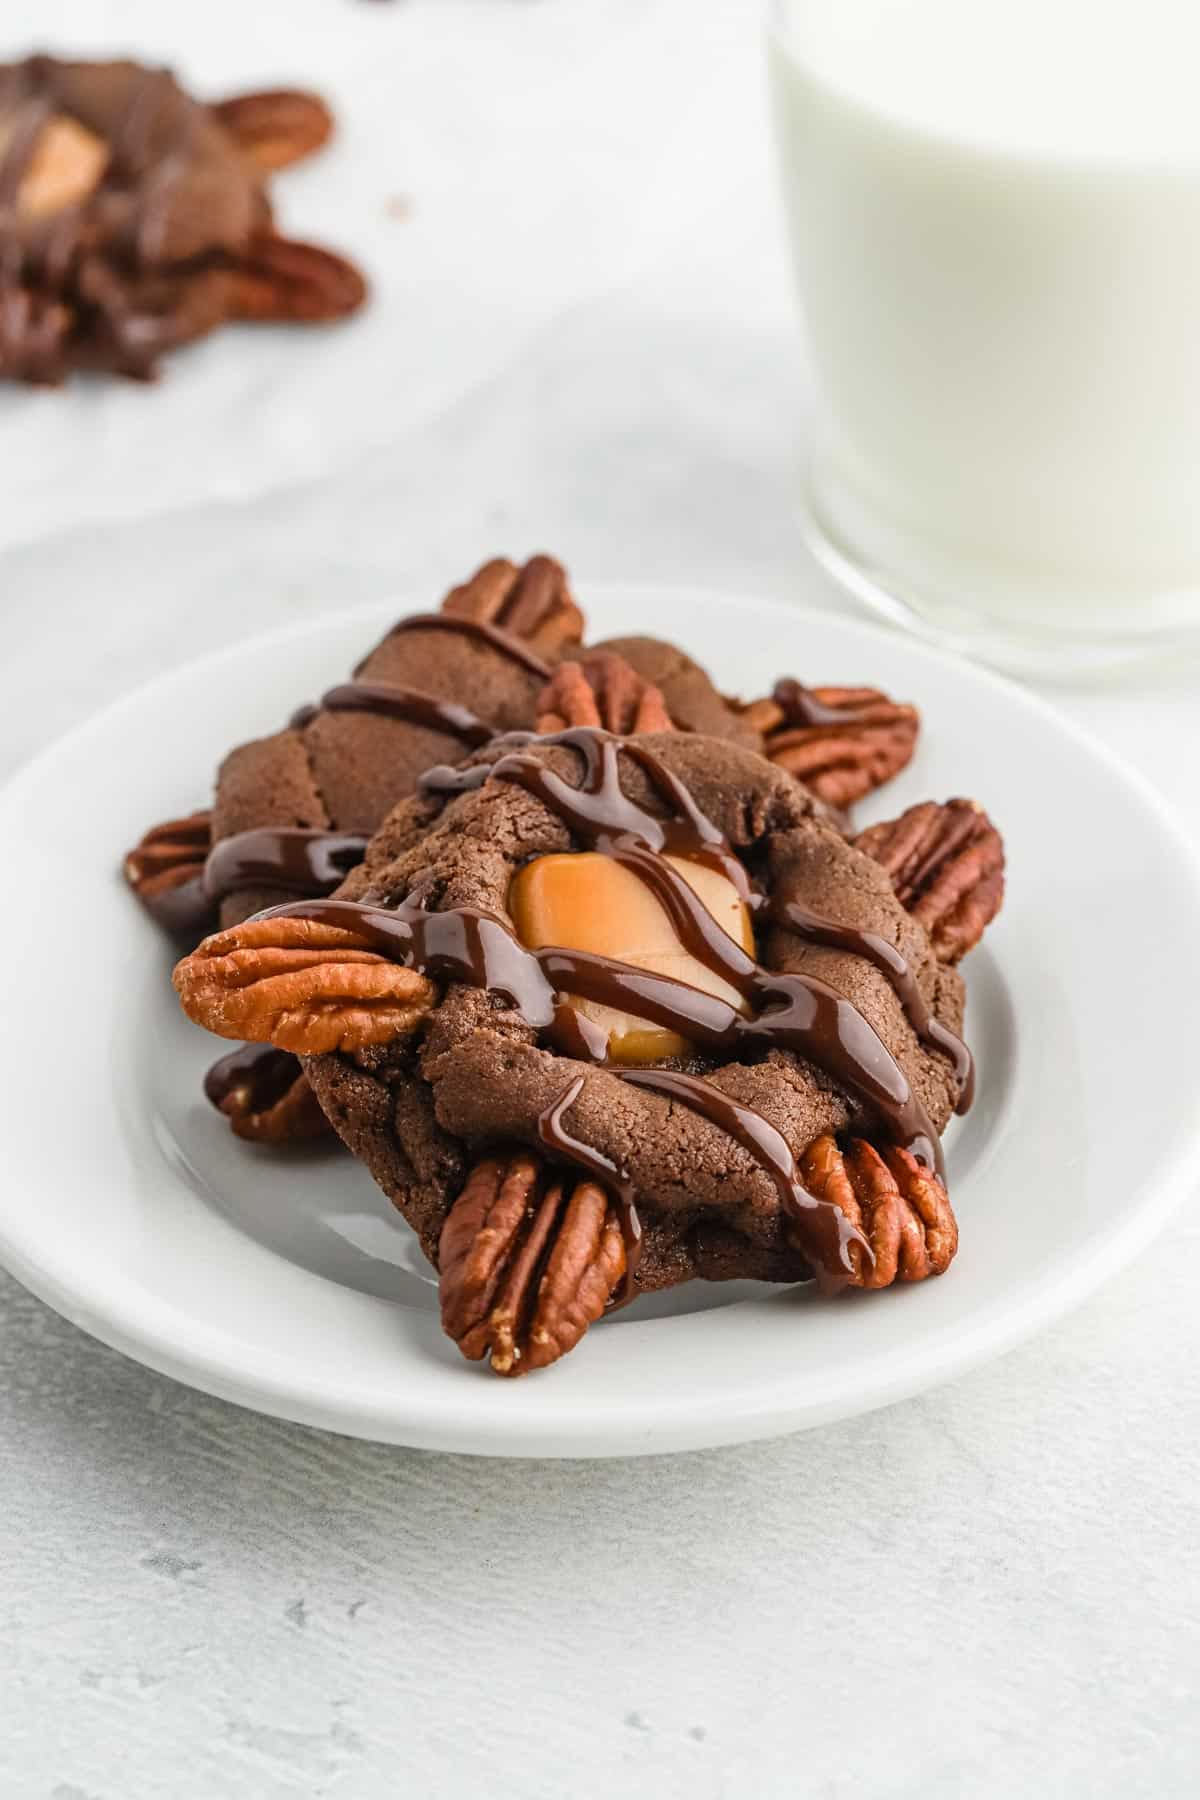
135, 219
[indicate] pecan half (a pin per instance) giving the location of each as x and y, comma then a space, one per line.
601, 689
901, 1208
277, 280
841, 742
277, 127
301, 985
947, 867
265, 1095
533, 602
165, 872
528, 1260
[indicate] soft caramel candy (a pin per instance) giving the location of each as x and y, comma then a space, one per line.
67, 164
590, 902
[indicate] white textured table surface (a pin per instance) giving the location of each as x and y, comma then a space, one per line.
581, 340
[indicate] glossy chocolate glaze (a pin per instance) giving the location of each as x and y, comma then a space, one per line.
566, 1148
388, 701
515, 648
584, 1039
293, 858
801, 707
266, 1073
185, 911
444, 781
815, 929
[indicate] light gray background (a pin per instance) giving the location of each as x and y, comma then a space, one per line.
581, 340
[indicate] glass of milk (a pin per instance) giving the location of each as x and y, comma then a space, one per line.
994, 211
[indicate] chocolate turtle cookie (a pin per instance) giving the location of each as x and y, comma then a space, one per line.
133, 218
602, 1014
293, 811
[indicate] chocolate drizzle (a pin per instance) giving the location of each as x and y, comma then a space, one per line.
515, 648
315, 862
444, 781
602, 814
561, 1144
793, 1011
824, 1229
461, 944
801, 707
32, 114
467, 945
260, 1068
184, 910
890, 962
298, 860
388, 700
295, 860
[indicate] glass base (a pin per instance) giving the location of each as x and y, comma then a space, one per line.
1076, 648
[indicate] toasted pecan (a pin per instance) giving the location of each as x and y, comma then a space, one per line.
301, 985
177, 848
842, 742
165, 870
528, 1261
902, 1209
533, 602
278, 280
601, 689
277, 127
947, 866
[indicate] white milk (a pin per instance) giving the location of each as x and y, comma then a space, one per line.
995, 214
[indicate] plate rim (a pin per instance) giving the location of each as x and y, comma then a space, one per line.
768, 1411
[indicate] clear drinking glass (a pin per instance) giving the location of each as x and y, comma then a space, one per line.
994, 213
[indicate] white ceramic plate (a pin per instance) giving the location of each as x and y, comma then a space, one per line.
289, 1284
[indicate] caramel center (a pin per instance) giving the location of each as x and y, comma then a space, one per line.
65, 167
590, 902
